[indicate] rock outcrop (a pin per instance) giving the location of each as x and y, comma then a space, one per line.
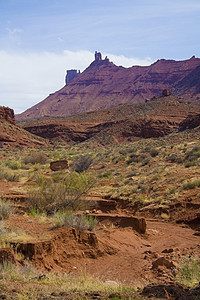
103, 85
7, 114
190, 122
12, 135
154, 118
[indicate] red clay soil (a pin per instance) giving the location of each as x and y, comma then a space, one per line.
111, 252
6, 187
119, 254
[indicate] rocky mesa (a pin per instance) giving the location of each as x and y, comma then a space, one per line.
103, 85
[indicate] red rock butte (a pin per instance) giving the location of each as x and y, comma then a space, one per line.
103, 85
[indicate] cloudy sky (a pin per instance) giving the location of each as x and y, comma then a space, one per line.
40, 39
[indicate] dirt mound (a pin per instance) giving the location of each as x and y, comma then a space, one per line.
64, 250
103, 85
110, 253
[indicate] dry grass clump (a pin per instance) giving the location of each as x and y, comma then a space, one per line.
69, 219
6, 209
9, 175
35, 158
189, 185
37, 285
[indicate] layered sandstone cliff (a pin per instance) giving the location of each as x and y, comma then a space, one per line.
103, 85
154, 118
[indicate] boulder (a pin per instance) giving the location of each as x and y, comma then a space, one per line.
162, 261
59, 165
166, 92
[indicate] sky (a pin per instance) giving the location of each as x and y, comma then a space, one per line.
41, 39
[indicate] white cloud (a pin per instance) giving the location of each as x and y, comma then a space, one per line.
28, 78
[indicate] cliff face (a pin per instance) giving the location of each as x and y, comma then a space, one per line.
7, 114
103, 85
190, 122
154, 118
12, 135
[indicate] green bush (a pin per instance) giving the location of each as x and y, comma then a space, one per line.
60, 191
6, 209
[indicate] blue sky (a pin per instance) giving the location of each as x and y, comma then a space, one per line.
40, 39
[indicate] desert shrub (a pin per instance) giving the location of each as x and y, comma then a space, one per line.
193, 154
61, 191
105, 174
189, 272
132, 158
9, 175
126, 151
153, 152
14, 165
6, 209
80, 222
35, 158
145, 161
136, 158
173, 158
82, 163
189, 185
191, 163
131, 174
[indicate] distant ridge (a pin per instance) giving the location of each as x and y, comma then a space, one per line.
103, 85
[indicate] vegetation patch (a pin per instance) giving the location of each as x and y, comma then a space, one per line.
189, 272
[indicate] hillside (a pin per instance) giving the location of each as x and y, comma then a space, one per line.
12, 135
144, 203
123, 123
103, 85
